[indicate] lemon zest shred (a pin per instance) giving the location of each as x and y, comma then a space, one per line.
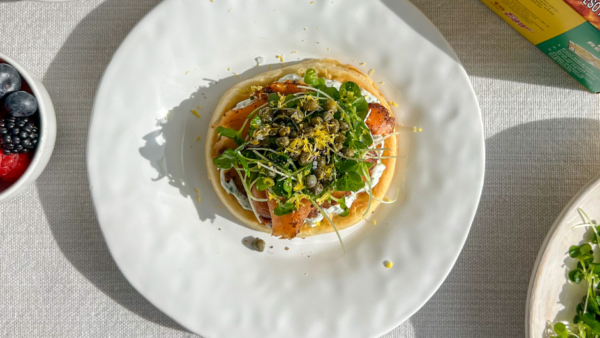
195, 112
323, 198
272, 196
300, 185
297, 200
392, 103
198, 194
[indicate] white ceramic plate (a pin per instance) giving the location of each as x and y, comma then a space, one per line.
551, 298
187, 257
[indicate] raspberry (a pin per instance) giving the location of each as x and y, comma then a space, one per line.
13, 166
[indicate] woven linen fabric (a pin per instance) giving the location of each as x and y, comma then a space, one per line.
57, 278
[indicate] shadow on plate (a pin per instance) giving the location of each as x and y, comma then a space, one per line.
485, 44
68, 206
532, 171
186, 170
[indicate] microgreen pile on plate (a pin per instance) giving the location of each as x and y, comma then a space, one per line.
586, 323
304, 147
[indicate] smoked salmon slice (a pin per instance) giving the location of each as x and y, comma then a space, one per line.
380, 121
288, 226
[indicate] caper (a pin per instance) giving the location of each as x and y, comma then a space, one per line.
266, 116
308, 130
333, 127
321, 162
340, 138
331, 106
327, 181
310, 181
316, 120
271, 174
344, 126
297, 115
348, 152
283, 141
295, 156
319, 173
317, 189
293, 134
312, 105
304, 158
284, 131
258, 244
265, 143
328, 116
274, 129
338, 146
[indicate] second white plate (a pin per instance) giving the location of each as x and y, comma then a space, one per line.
145, 162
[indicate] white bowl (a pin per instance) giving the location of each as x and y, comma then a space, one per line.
47, 132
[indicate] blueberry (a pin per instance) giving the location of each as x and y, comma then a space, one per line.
10, 80
21, 104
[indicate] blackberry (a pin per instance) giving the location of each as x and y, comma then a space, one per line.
18, 135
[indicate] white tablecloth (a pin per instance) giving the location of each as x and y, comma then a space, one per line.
57, 278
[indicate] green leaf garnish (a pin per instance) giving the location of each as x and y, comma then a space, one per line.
273, 100
350, 181
284, 209
362, 107
226, 160
263, 183
230, 133
312, 79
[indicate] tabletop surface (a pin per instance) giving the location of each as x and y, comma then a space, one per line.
57, 278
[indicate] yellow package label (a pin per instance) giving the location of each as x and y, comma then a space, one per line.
537, 20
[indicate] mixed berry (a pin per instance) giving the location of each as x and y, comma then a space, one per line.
19, 121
